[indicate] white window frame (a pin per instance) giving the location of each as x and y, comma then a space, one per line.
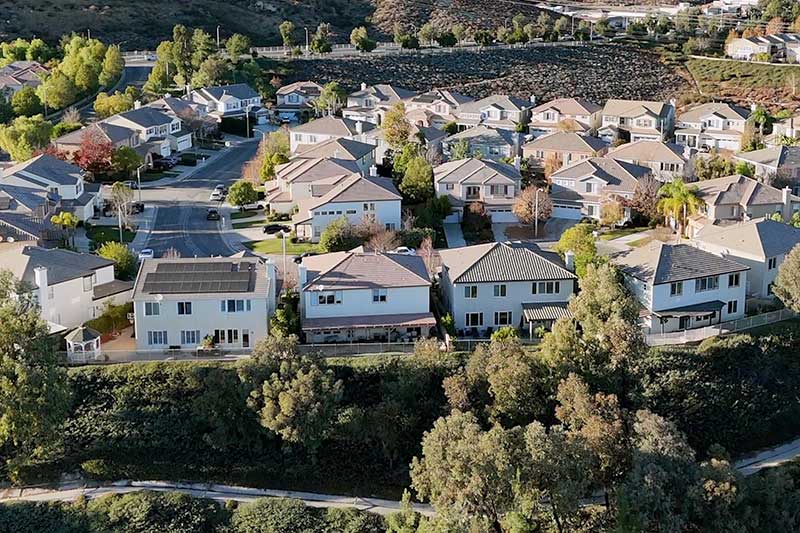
470, 292
500, 290
379, 296
469, 316
152, 309
184, 308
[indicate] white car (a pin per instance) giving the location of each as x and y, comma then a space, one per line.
216, 196
146, 253
404, 250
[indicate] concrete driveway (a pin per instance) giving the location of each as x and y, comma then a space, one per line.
554, 227
454, 236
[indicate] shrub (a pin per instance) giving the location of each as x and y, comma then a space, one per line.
275, 515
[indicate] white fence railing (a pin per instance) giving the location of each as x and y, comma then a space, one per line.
697, 335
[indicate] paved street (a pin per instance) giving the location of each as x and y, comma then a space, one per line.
181, 219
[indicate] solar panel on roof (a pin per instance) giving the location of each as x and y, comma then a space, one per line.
174, 282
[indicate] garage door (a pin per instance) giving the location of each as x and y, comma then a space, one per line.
502, 216
184, 144
570, 212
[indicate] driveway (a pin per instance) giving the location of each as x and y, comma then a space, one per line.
554, 227
454, 236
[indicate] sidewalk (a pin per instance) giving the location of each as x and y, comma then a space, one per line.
454, 236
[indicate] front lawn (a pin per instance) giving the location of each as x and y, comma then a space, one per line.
640, 242
103, 234
250, 224
273, 246
153, 175
620, 232
246, 214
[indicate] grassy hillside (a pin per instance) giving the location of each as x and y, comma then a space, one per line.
746, 82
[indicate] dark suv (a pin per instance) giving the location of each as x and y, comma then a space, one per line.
212, 214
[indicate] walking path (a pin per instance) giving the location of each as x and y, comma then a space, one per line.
454, 236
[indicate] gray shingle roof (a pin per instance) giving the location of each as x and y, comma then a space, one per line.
351, 270
567, 142
659, 263
147, 117
49, 167
242, 91
510, 261
762, 237
62, 265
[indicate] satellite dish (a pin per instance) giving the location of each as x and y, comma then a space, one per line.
158, 297
9, 239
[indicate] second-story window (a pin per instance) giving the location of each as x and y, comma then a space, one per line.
500, 291
184, 308
546, 287
772, 263
152, 309
378, 295
589, 187
676, 288
733, 280
708, 283
471, 291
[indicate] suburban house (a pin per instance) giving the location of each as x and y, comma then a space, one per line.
493, 184
357, 198
767, 47
118, 136
190, 113
179, 302
426, 136
564, 148
303, 178
636, 120
666, 160
295, 102
364, 296
737, 198
326, 128
443, 106
498, 111
788, 127
490, 143
779, 161
231, 101
715, 126
161, 132
342, 148
761, 244
33, 191
579, 190
565, 114
490, 286
681, 287
70, 288
370, 103
19, 74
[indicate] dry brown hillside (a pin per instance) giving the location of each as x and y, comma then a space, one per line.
472, 13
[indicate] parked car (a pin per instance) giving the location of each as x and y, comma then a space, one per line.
212, 214
137, 207
216, 196
165, 163
271, 229
222, 188
131, 184
404, 250
146, 253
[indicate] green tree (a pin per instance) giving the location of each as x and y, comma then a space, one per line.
68, 222
26, 103
106, 105
460, 150
203, 47
212, 71
34, 392
459, 31
417, 184
331, 99
562, 26
124, 260
181, 51
579, 240
428, 33
113, 65
715, 166
274, 515
157, 81
468, 473
6, 111
396, 128
320, 41
360, 39
237, 45
125, 160
405, 520
787, 283
85, 79
679, 201
273, 151
287, 29
25, 135
483, 37
338, 236
242, 193
446, 39
57, 91
602, 296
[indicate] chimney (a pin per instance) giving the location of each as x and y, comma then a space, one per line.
786, 197
363, 86
42, 284
753, 107
359, 127
137, 104
517, 162
569, 260
373, 171
533, 100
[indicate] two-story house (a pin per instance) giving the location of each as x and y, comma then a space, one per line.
498, 111
70, 288
562, 147
441, 104
493, 184
666, 160
19, 74
190, 113
118, 136
156, 129
231, 101
327, 128
303, 178
715, 126
635, 120
363, 296
370, 103
490, 143
565, 114
579, 190
788, 127
738, 198
761, 244
342, 148
777, 162
179, 302
489, 286
356, 198
295, 102
681, 287
771, 47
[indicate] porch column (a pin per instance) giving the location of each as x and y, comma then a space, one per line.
530, 330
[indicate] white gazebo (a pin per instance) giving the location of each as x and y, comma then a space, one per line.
83, 345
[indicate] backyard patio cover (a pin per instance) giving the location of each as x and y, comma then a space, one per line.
544, 312
410, 320
700, 309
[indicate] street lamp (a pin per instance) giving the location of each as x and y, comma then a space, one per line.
306, 39
139, 179
536, 213
217, 36
283, 246
247, 118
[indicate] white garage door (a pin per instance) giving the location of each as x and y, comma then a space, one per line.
567, 211
502, 216
184, 144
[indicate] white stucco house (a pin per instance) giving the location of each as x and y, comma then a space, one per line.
682, 287
231, 101
565, 114
370, 103
70, 288
761, 244
486, 142
715, 125
636, 120
163, 132
326, 128
441, 104
302, 178
364, 296
341, 149
355, 198
493, 184
665, 160
296, 100
497, 111
489, 286
778, 161
179, 302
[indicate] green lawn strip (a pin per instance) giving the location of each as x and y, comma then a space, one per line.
640, 242
250, 224
245, 214
617, 233
102, 234
273, 246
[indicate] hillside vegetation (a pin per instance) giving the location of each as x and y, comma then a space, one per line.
746, 82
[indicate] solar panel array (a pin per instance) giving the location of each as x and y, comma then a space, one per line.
184, 278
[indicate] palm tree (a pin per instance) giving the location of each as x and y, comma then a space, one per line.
68, 222
678, 201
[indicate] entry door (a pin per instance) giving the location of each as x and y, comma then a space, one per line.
245, 338
685, 322
233, 336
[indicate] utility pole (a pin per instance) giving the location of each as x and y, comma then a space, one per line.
536, 213
217, 36
306, 39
